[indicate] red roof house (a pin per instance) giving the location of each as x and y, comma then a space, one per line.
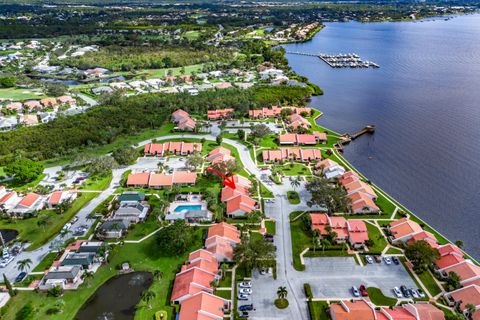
202, 306
191, 281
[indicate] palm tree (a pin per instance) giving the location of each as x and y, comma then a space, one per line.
87, 276
158, 274
147, 296
324, 243
42, 223
23, 265
282, 292
470, 308
223, 268
295, 183
160, 166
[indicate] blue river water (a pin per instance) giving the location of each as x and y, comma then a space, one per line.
425, 102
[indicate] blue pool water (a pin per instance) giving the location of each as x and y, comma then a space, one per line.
188, 207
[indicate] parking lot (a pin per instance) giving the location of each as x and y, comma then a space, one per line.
334, 277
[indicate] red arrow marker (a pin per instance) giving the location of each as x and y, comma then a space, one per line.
229, 182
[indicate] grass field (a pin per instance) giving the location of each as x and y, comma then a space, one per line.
160, 73
293, 197
429, 282
30, 231
295, 169
318, 310
21, 94
300, 241
379, 241
379, 299
46, 262
271, 227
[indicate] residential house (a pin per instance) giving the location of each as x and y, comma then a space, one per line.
191, 281
202, 306
132, 212
49, 102
138, 180
29, 119
47, 116
205, 261
263, 113
161, 180
32, 105
362, 203
84, 259
225, 230
8, 123
425, 236
31, 203
352, 231
183, 120
58, 197
403, 229
218, 114
352, 310
330, 169
90, 246
131, 197
14, 106
220, 155
8, 200
66, 277
221, 247
177, 148
296, 121
297, 139
101, 90
424, 311
292, 154
113, 229
467, 271
463, 296
449, 255
67, 100
238, 201
223, 85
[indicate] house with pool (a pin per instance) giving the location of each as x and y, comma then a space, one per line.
189, 207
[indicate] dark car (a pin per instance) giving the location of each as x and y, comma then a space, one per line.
244, 314
405, 291
395, 260
246, 307
20, 276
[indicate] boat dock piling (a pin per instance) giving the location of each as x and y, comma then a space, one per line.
349, 60
346, 138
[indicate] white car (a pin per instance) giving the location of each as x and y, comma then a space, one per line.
245, 291
387, 260
397, 292
369, 259
242, 297
246, 284
414, 293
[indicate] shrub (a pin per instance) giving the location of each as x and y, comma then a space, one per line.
281, 303
308, 290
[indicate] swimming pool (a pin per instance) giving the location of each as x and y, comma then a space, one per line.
188, 208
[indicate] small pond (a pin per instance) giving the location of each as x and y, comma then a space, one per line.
117, 298
8, 234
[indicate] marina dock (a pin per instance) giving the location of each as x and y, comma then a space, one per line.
348, 60
346, 138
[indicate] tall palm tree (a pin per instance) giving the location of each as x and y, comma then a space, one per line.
295, 183
282, 292
471, 309
23, 265
324, 243
223, 268
147, 296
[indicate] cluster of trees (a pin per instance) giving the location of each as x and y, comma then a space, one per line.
326, 194
7, 81
122, 116
422, 255
119, 58
24, 170
175, 239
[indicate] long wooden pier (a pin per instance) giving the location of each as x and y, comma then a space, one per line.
348, 60
346, 138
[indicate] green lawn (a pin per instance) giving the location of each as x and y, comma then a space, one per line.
271, 227
429, 282
264, 191
379, 241
95, 183
142, 257
21, 187
160, 73
293, 197
28, 229
225, 294
385, 205
140, 230
46, 262
318, 310
394, 251
295, 169
300, 241
269, 141
226, 281
379, 299
21, 94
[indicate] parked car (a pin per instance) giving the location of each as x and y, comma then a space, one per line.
20, 276
414, 293
363, 291
264, 168
420, 293
244, 314
355, 292
378, 259
263, 271
67, 226
245, 284
397, 292
387, 260
369, 259
405, 291
245, 291
75, 219
246, 307
395, 260
242, 297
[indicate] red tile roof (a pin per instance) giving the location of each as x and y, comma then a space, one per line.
191, 281
177, 147
298, 139
404, 227
425, 311
467, 295
450, 248
398, 313
292, 154
466, 270
161, 179
202, 306
448, 260
29, 200
225, 230
241, 203
138, 179
352, 310
219, 113
220, 247
55, 197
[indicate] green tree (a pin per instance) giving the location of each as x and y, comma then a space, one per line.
8, 285
471, 309
459, 243
24, 264
324, 194
55, 89
101, 166
194, 160
254, 253
125, 155
8, 82
260, 131
422, 255
241, 134
175, 239
282, 292
147, 296
24, 170
295, 183
219, 140
158, 274
453, 281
